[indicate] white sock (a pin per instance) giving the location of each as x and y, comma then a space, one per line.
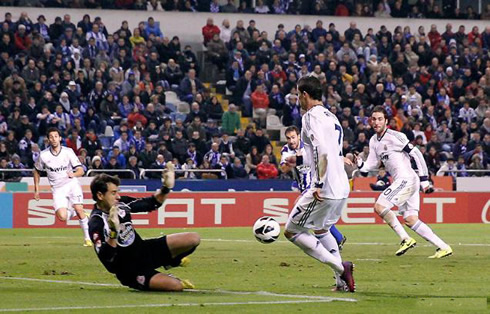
312, 246
84, 226
329, 242
389, 216
426, 232
70, 213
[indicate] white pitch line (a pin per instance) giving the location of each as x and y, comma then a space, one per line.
283, 241
259, 293
126, 306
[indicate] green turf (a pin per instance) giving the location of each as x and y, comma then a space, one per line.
385, 283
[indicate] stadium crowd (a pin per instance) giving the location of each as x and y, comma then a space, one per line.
378, 8
106, 92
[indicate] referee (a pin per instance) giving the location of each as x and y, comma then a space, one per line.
122, 250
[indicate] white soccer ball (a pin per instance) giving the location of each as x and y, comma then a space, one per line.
266, 230
380, 183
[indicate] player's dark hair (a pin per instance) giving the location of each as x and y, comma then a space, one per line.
99, 184
292, 128
312, 86
381, 110
51, 130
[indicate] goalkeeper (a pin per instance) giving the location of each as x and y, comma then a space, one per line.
121, 249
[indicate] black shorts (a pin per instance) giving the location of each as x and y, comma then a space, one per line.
154, 254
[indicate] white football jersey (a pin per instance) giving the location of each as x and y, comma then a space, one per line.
57, 166
323, 135
390, 150
301, 173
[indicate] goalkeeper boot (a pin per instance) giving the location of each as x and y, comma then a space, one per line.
440, 253
87, 243
406, 245
186, 284
185, 262
168, 178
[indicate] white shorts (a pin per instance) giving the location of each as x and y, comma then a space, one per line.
403, 193
310, 214
67, 195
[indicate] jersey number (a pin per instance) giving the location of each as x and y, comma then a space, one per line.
339, 128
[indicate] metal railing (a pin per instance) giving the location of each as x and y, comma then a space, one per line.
468, 170
144, 171
110, 171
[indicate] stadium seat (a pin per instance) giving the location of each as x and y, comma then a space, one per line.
171, 106
109, 132
183, 107
283, 135
171, 97
274, 123
178, 116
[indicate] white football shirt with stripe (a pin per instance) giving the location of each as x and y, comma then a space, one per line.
389, 149
57, 166
322, 134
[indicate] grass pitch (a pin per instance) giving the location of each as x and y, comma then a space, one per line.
48, 270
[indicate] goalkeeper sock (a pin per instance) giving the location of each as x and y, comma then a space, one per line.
426, 232
312, 246
389, 216
330, 243
84, 225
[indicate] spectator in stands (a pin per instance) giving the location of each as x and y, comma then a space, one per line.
209, 30
213, 156
260, 104
266, 170
217, 52
190, 86
231, 120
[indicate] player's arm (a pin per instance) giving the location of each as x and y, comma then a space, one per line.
320, 151
371, 162
417, 156
76, 165
37, 179
145, 204
38, 166
105, 249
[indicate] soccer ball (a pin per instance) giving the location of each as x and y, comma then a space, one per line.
266, 230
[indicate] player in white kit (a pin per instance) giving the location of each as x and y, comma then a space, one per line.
320, 206
301, 173
63, 168
394, 150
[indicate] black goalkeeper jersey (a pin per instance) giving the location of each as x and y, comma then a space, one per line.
130, 251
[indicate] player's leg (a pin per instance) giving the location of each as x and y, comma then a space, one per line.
411, 217
385, 202
297, 232
339, 237
181, 245
76, 200
163, 282
61, 203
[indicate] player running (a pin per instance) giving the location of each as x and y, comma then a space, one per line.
393, 149
121, 249
63, 167
301, 173
320, 206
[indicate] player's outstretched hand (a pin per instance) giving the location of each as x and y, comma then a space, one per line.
168, 175
36, 196
113, 219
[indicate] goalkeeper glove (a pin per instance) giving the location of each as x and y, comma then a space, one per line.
113, 221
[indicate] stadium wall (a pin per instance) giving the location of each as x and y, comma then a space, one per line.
232, 209
188, 25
